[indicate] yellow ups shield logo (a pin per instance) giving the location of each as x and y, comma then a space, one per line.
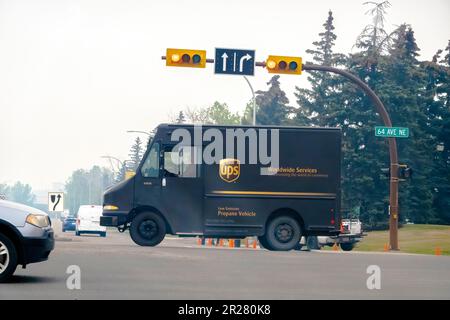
229, 169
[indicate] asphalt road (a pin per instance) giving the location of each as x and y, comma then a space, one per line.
115, 268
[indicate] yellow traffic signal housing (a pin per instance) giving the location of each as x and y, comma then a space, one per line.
186, 58
284, 65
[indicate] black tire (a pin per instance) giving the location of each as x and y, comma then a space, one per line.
9, 259
283, 233
263, 243
148, 229
312, 242
347, 246
298, 247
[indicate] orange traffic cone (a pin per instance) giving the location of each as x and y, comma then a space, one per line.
209, 242
335, 247
199, 241
438, 251
386, 247
231, 243
255, 243
220, 242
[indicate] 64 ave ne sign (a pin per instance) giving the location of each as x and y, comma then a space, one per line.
392, 132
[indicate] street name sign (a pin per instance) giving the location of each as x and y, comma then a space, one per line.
235, 62
391, 132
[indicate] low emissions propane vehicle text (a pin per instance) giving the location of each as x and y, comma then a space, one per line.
276, 183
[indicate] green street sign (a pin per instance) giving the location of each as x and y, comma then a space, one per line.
391, 132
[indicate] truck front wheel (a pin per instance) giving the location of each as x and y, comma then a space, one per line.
283, 234
148, 229
347, 246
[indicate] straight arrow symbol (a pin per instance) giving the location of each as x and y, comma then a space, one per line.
224, 62
241, 62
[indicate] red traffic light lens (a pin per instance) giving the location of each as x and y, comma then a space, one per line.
186, 58
282, 65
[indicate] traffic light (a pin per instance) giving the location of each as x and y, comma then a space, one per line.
285, 65
386, 172
186, 58
405, 172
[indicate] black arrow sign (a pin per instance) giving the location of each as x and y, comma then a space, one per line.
57, 201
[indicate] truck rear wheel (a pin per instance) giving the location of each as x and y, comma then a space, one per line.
148, 229
347, 246
283, 234
263, 243
8, 258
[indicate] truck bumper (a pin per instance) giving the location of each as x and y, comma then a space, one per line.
113, 219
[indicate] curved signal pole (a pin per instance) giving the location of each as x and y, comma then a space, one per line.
393, 197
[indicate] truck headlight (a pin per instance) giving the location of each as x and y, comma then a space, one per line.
39, 221
110, 208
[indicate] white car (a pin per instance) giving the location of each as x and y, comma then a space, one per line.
26, 236
351, 234
88, 221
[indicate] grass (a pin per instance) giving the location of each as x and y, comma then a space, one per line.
422, 239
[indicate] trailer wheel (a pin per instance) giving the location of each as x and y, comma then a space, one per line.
148, 229
8, 258
347, 246
283, 234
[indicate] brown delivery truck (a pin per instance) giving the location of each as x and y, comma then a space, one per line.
288, 190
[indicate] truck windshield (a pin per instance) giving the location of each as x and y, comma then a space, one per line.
150, 168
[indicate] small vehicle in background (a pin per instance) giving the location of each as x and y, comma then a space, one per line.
69, 223
26, 236
88, 221
351, 234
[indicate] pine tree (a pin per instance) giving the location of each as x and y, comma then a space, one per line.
438, 112
181, 118
135, 155
322, 104
272, 104
404, 92
374, 39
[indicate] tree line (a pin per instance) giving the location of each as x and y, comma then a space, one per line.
416, 94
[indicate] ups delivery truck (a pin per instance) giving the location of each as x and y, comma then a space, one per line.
276, 183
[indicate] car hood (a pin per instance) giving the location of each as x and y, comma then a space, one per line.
16, 213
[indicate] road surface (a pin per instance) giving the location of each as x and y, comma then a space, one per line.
115, 268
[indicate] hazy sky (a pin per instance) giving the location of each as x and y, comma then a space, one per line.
75, 75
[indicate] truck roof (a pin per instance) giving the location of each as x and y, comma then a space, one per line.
170, 125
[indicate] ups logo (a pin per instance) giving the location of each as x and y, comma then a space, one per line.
229, 169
